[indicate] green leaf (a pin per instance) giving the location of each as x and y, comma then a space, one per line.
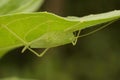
15, 6
45, 30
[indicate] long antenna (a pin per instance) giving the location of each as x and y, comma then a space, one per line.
96, 30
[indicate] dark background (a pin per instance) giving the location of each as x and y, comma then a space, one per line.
95, 57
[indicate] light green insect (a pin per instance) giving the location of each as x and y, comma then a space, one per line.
45, 30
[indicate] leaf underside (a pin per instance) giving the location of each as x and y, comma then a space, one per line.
45, 30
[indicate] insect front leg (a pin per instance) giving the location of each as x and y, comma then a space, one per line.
77, 34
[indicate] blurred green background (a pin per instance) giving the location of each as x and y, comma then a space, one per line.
95, 57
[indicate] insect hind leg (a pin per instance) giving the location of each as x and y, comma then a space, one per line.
33, 51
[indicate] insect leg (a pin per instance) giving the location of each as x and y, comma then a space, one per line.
39, 55
24, 49
76, 37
